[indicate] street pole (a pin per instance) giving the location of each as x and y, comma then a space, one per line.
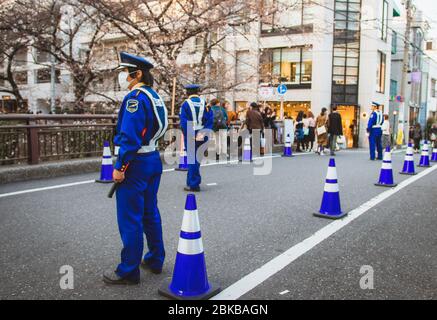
52, 77
173, 99
406, 64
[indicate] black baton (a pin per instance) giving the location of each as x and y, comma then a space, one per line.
113, 189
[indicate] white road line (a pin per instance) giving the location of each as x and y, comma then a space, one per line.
46, 188
272, 267
212, 184
4, 195
284, 292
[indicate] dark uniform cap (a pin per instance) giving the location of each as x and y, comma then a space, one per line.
376, 104
192, 86
130, 61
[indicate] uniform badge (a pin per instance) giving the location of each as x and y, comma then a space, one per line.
132, 106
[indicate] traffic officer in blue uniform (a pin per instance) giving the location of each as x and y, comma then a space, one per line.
194, 112
142, 121
375, 132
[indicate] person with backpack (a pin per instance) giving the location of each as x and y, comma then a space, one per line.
220, 124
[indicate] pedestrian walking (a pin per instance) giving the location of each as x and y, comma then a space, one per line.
386, 133
374, 131
312, 131
335, 129
232, 115
299, 130
306, 132
254, 121
142, 121
433, 135
322, 132
220, 127
195, 113
417, 137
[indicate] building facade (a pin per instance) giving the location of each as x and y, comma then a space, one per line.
326, 52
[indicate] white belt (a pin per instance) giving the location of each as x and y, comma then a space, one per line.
197, 128
375, 127
146, 149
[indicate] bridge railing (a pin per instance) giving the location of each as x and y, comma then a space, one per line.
39, 138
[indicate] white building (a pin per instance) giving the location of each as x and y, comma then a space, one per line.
419, 102
331, 52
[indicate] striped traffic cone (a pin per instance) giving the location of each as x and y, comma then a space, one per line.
424, 159
331, 207
190, 279
409, 166
386, 176
107, 167
183, 159
434, 155
247, 151
288, 151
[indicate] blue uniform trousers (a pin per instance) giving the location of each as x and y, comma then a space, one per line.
375, 141
138, 213
194, 178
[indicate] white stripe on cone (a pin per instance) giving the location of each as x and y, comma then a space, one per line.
332, 187
387, 166
247, 144
190, 247
107, 152
190, 222
332, 173
106, 162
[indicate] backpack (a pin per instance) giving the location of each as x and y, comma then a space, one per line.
219, 119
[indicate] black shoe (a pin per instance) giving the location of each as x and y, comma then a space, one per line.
192, 190
146, 266
110, 277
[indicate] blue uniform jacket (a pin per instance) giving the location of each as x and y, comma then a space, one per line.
186, 116
376, 118
136, 126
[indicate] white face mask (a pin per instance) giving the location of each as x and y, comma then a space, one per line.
122, 80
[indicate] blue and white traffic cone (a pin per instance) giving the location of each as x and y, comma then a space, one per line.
434, 155
247, 151
183, 159
386, 176
288, 151
190, 279
409, 166
107, 167
331, 207
424, 159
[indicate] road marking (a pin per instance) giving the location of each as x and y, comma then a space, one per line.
272, 267
284, 292
4, 195
212, 184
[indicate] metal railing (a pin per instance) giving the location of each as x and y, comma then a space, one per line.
38, 138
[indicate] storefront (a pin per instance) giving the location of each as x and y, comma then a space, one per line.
291, 108
350, 116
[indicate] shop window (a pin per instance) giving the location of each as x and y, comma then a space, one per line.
290, 66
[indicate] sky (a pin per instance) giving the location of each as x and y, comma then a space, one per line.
429, 8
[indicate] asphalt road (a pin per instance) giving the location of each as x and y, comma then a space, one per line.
246, 222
